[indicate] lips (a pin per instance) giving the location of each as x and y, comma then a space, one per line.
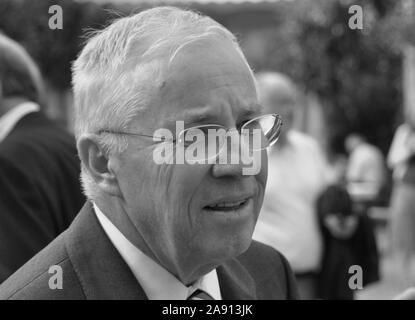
231, 205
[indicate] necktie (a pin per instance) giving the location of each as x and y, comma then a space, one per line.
199, 295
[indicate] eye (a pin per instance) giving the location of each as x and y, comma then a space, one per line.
250, 126
201, 134
242, 123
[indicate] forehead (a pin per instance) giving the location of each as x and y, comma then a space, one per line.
207, 78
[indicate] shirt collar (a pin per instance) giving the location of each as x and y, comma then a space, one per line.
157, 282
9, 120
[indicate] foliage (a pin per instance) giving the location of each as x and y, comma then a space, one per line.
356, 73
26, 21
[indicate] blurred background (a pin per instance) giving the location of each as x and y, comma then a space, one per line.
360, 80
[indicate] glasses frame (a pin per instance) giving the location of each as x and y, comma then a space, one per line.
278, 121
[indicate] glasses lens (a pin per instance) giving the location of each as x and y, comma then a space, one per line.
262, 132
203, 142
206, 142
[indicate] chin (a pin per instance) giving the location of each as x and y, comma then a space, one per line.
242, 245
230, 248
241, 241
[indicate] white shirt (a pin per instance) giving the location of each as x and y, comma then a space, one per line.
297, 174
9, 120
402, 148
157, 282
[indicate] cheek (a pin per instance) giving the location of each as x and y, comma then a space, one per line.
169, 190
186, 222
182, 188
143, 184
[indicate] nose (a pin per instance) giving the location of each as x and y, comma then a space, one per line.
227, 170
229, 162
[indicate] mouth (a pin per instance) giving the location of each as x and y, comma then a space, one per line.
227, 206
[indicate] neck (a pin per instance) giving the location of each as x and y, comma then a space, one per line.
8, 104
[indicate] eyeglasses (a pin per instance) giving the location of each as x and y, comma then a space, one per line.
208, 140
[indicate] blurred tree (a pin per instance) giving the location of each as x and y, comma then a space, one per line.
26, 21
356, 73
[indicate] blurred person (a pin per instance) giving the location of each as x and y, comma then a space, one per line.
162, 231
368, 186
339, 224
338, 167
401, 158
40, 192
365, 173
349, 240
297, 174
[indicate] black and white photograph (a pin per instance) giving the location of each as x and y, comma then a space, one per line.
181, 150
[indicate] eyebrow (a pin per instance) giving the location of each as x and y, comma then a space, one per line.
194, 115
207, 115
254, 108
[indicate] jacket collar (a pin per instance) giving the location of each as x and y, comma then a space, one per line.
235, 282
100, 269
103, 274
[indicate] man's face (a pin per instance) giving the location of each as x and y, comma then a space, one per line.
200, 213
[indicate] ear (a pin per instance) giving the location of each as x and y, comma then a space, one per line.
96, 163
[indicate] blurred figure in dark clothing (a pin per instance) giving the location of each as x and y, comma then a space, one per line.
348, 240
40, 191
338, 226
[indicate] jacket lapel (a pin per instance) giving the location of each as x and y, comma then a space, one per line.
235, 282
102, 272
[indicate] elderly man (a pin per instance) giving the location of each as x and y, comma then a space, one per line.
171, 230
297, 175
40, 192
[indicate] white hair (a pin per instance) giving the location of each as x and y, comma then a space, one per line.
121, 68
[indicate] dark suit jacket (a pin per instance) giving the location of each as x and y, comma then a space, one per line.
40, 192
93, 269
